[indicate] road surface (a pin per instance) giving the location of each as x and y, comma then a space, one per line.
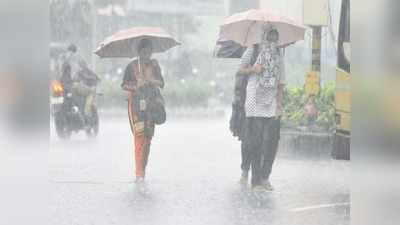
192, 178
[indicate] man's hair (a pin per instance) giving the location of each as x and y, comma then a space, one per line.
144, 43
273, 31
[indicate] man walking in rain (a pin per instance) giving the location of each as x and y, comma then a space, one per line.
263, 106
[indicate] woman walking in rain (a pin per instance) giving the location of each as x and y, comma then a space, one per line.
142, 81
263, 106
142, 76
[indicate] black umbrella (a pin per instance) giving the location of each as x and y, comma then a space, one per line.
228, 49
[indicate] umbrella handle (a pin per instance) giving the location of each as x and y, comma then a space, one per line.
140, 72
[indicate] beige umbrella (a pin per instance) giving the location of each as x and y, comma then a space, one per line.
120, 43
246, 27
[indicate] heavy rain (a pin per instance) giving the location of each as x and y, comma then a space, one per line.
184, 165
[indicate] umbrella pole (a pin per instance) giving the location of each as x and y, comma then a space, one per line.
316, 49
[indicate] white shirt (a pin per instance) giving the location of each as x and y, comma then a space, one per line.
261, 102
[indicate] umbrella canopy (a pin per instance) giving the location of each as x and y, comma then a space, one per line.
246, 27
120, 43
228, 49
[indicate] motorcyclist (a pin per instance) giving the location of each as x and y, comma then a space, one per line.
86, 83
74, 60
82, 80
66, 78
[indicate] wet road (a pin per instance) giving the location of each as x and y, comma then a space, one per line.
193, 175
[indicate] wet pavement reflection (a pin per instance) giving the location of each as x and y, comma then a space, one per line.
193, 178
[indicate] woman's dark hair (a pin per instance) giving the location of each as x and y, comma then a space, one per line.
144, 43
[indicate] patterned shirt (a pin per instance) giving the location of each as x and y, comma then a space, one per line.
261, 101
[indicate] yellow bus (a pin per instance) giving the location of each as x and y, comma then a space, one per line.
341, 143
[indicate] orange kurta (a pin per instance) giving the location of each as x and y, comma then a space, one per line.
143, 130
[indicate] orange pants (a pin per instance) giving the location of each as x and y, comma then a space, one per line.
142, 150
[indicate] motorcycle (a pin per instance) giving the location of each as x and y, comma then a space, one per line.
68, 113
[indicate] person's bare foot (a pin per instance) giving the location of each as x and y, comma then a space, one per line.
259, 188
139, 180
267, 185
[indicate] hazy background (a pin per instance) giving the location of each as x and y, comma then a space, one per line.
195, 80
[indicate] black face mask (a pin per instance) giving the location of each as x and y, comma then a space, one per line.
273, 36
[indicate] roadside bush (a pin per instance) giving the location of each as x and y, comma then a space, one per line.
295, 100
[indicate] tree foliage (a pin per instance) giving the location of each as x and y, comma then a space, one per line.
190, 93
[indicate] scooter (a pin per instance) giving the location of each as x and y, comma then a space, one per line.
67, 111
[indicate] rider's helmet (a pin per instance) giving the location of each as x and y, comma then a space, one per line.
72, 48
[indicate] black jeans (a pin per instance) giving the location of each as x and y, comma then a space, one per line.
261, 143
246, 162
